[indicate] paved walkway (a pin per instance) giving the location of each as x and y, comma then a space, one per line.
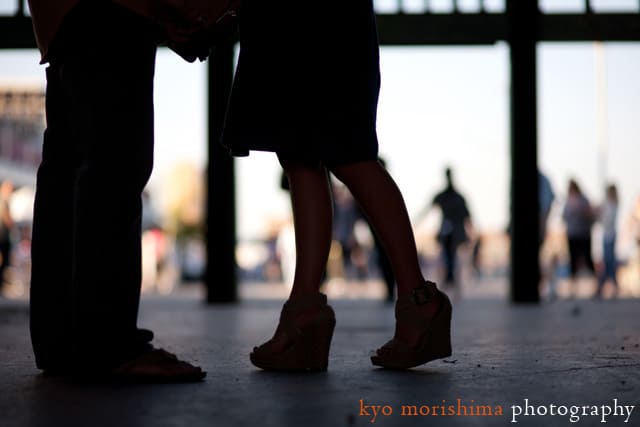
576, 355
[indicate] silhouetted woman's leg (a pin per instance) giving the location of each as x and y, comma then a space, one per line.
306, 312
382, 202
312, 220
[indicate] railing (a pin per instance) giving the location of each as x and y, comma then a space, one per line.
438, 6
469, 22
499, 6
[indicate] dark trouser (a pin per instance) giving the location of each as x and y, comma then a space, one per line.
580, 248
610, 263
97, 158
449, 252
5, 255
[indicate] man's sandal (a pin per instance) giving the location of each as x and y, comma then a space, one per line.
156, 366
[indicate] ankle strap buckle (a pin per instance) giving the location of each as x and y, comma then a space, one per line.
420, 295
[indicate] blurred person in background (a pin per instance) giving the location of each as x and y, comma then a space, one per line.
156, 250
608, 217
6, 228
382, 259
454, 227
579, 218
346, 213
546, 197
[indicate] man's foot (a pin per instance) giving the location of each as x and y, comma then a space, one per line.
157, 366
153, 365
144, 335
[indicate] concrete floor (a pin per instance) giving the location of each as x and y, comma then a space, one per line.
563, 353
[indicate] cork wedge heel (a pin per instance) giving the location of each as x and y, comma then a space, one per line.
308, 345
434, 334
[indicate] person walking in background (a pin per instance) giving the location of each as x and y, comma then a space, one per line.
346, 214
317, 111
97, 158
384, 263
6, 227
454, 227
545, 202
579, 217
608, 216
546, 197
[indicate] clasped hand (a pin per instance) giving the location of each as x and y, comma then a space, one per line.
195, 38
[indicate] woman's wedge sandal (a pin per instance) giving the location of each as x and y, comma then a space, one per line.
308, 345
434, 334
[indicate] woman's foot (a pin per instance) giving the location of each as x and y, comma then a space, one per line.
429, 303
302, 339
423, 325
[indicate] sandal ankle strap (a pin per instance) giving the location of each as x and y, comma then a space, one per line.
424, 293
421, 294
304, 302
295, 305
406, 306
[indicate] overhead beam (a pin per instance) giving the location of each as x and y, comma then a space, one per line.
489, 28
436, 29
590, 27
432, 29
16, 32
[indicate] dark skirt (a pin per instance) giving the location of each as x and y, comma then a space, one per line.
307, 81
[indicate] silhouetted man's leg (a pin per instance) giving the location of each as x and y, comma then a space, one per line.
52, 244
97, 158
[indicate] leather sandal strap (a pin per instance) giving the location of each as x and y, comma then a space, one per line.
424, 293
293, 306
406, 306
304, 302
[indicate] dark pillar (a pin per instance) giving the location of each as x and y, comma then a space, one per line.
221, 278
523, 33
